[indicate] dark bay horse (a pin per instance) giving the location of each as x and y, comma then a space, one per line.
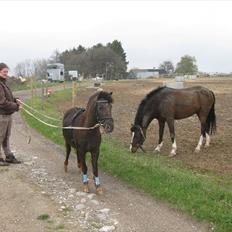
98, 110
166, 105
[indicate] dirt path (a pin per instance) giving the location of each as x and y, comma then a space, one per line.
40, 186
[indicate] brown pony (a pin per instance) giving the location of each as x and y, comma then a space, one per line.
98, 111
166, 105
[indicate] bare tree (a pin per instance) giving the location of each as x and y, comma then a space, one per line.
40, 68
167, 66
28, 68
55, 57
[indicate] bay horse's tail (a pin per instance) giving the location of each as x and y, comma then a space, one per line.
211, 124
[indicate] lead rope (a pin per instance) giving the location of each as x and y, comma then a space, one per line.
54, 119
61, 127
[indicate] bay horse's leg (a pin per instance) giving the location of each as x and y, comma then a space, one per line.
202, 118
68, 150
207, 142
172, 136
94, 159
84, 168
161, 133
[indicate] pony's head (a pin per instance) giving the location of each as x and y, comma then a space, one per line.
103, 111
137, 139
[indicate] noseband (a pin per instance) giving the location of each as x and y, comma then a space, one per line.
101, 120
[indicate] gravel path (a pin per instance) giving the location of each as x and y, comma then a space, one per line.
40, 186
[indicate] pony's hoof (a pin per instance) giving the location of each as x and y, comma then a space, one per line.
86, 188
206, 145
66, 168
197, 150
99, 190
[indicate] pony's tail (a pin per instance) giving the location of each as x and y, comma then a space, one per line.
211, 124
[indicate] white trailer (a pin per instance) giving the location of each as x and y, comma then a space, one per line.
55, 72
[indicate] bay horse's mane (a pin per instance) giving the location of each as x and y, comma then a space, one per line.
139, 114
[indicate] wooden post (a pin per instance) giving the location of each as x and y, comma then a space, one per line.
74, 92
64, 85
42, 95
32, 91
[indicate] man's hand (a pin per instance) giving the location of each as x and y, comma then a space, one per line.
18, 102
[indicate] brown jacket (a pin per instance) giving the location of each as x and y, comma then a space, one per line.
7, 102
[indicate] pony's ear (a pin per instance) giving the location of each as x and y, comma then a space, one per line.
111, 93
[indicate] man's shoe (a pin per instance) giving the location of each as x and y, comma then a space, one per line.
3, 163
10, 158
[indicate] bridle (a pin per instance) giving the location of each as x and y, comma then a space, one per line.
99, 119
141, 130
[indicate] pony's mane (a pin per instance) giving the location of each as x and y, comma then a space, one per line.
139, 114
99, 95
105, 96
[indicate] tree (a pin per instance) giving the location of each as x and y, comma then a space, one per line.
109, 60
55, 57
29, 68
116, 46
40, 68
167, 66
187, 65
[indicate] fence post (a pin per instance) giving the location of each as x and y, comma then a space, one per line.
42, 94
32, 91
74, 92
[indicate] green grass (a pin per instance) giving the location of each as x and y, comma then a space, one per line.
201, 196
27, 85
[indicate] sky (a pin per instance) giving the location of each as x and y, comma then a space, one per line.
150, 31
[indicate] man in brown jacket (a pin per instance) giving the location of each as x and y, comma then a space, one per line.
8, 105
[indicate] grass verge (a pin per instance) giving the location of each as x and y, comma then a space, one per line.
199, 195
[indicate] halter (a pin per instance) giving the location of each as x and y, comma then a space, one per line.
144, 137
101, 120
141, 130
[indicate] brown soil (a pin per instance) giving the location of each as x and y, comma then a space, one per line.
127, 96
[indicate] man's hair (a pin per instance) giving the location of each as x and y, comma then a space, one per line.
2, 66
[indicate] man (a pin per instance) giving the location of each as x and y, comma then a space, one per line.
8, 105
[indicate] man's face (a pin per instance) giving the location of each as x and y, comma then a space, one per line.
4, 72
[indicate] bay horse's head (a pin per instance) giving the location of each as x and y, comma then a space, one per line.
103, 111
137, 139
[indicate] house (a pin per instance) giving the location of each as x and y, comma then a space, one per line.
146, 73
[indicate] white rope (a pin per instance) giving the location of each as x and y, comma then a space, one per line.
61, 127
58, 120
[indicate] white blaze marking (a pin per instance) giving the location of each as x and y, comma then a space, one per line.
133, 134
